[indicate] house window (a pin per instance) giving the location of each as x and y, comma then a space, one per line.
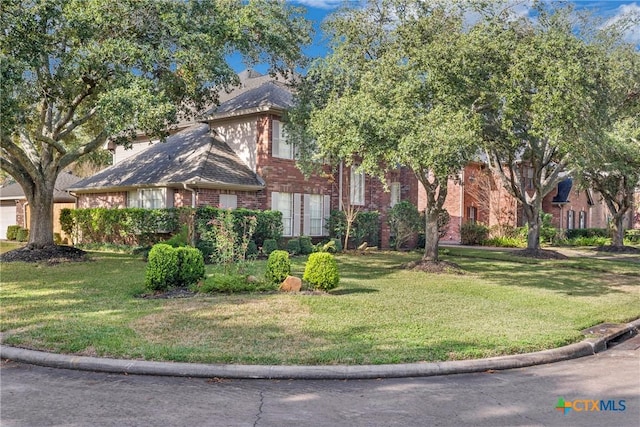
571, 218
395, 193
582, 219
147, 198
472, 214
529, 178
228, 201
284, 203
357, 187
280, 147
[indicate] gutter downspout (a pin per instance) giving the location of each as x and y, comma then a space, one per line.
193, 194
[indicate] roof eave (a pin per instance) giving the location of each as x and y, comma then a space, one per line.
245, 112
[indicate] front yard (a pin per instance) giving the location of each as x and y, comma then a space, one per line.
380, 313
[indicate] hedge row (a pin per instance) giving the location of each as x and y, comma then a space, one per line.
141, 227
365, 227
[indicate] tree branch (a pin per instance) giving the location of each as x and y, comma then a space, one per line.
74, 124
70, 157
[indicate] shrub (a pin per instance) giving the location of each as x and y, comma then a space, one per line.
269, 246
231, 283
207, 248
162, 268
473, 233
366, 228
589, 241
405, 222
278, 267
179, 239
57, 238
633, 236
321, 271
338, 244
588, 232
22, 235
252, 249
190, 265
505, 242
293, 246
306, 247
12, 232
332, 246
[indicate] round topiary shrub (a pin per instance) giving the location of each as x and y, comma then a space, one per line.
269, 246
278, 266
190, 265
162, 268
321, 271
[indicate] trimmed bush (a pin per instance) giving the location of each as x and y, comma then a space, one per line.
269, 246
190, 265
306, 247
12, 232
405, 222
588, 232
162, 268
473, 233
22, 235
293, 246
252, 249
321, 271
232, 283
633, 236
278, 267
505, 242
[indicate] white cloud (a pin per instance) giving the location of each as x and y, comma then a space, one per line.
321, 4
632, 12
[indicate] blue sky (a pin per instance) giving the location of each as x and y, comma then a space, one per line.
318, 10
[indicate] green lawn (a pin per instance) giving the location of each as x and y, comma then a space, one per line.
379, 314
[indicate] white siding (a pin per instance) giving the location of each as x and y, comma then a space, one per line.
241, 135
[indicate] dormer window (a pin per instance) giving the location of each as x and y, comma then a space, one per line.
280, 146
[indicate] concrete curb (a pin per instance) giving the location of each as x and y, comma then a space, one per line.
586, 347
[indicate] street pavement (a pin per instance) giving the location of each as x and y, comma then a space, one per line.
608, 381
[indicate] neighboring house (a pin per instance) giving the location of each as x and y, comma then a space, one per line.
14, 209
238, 156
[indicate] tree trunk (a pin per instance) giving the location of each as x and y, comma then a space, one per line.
40, 199
617, 235
532, 214
431, 237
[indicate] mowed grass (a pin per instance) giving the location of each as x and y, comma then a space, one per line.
379, 314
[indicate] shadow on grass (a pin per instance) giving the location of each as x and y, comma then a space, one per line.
348, 291
564, 279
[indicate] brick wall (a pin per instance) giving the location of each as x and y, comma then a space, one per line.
102, 200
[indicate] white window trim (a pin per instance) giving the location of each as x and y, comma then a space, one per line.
280, 148
356, 187
135, 198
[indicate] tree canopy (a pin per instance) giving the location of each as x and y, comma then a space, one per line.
76, 72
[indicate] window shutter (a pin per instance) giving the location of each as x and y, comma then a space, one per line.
306, 218
296, 214
326, 211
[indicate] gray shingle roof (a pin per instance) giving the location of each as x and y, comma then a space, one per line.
65, 180
270, 94
192, 156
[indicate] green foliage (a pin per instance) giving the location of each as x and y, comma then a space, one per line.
633, 236
548, 233
179, 239
22, 235
332, 246
269, 246
321, 271
268, 223
588, 241
505, 242
588, 232
168, 267
232, 283
190, 265
293, 246
252, 250
163, 268
306, 247
278, 267
365, 227
12, 232
405, 222
473, 233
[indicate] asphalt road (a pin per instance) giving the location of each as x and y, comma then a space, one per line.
37, 396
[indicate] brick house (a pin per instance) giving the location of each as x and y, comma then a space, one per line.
238, 156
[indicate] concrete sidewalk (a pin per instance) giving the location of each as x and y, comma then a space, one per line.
598, 339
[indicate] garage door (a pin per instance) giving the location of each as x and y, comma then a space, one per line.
7, 218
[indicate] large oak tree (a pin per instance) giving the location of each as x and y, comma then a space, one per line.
77, 72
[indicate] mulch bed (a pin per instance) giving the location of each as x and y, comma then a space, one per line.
51, 255
540, 254
438, 267
618, 249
